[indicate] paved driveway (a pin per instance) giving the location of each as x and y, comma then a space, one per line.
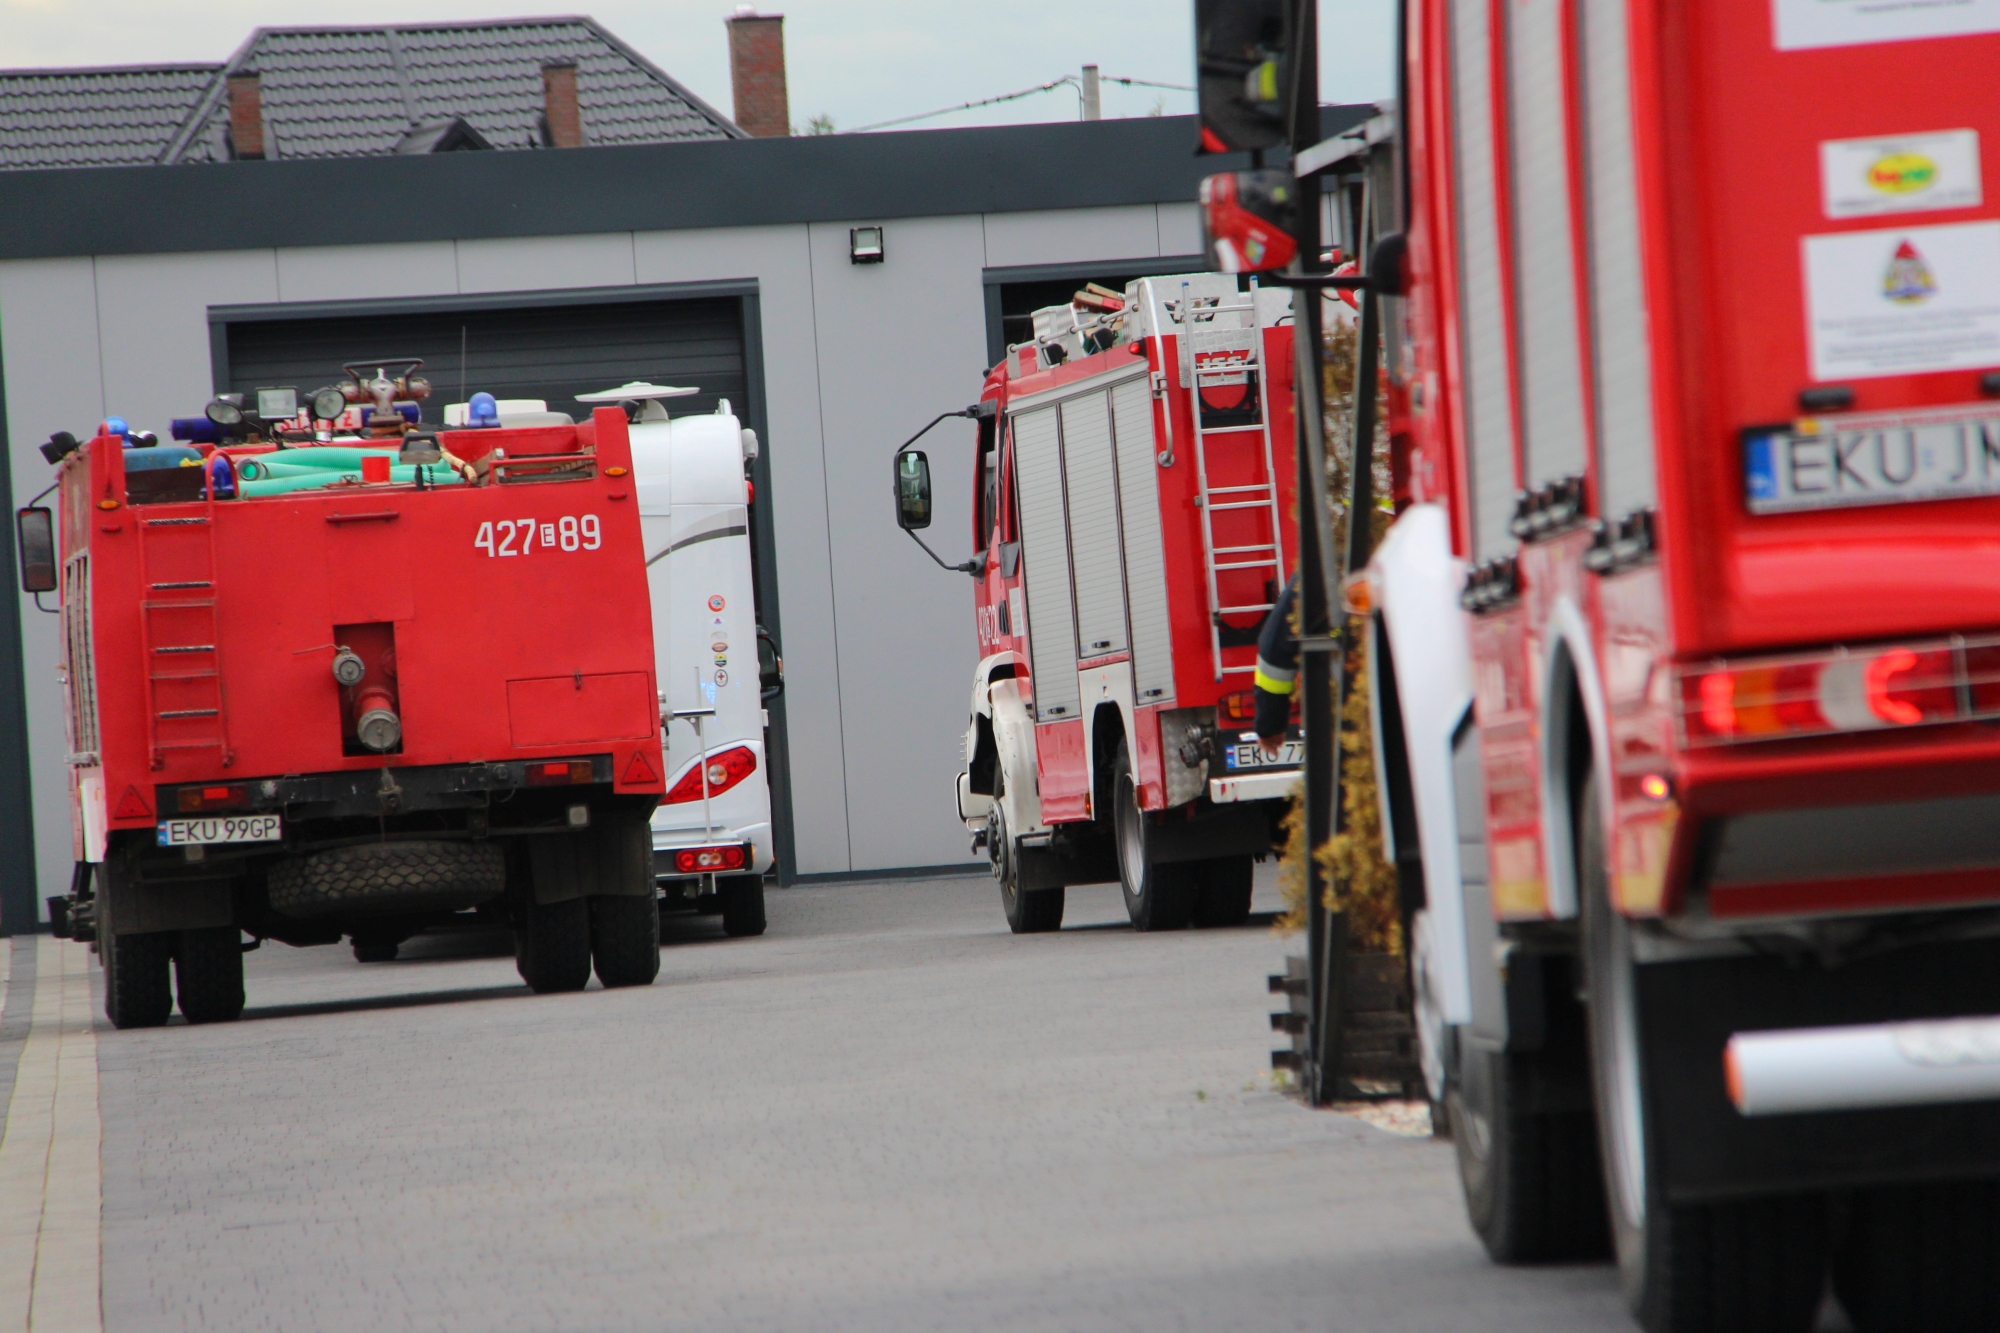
886, 1114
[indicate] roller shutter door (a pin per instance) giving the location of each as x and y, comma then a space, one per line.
1045, 555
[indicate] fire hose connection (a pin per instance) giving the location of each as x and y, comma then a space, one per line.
375, 722
348, 668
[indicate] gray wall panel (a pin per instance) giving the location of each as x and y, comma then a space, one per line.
1550, 342
1619, 317
1489, 400
1097, 570
1145, 553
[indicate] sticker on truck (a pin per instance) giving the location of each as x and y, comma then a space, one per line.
524, 536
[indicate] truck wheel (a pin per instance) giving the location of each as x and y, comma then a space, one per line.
208, 974
742, 904
1027, 913
1222, 890
625, 939
552, 946
1530, 1177
1757, 1264
1923, 1258
1157, 897
138, 992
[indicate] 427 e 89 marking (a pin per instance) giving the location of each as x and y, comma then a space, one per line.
522, 536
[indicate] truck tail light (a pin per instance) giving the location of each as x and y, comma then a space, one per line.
1237, 706
706, 860
562, 773
193, 800
726, 768
1902, 685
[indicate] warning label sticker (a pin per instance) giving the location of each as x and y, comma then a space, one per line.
1804, 24
1910, 174
1904, 301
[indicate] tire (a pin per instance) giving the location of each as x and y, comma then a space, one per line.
138, 991
742, 905
1530, 1178
1756, 1265
552, 946
1222, 890
1157, 897
1033, 913
400, 877
625, 939
208, 974
1922, 1258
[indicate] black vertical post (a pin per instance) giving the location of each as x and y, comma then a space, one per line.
20, 912
1319, 662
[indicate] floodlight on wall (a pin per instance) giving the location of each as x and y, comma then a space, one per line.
864, 245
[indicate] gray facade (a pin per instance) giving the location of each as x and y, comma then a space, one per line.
102, 315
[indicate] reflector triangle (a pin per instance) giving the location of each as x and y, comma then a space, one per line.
132, 806
639, 771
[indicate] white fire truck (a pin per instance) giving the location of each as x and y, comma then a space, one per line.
1687, 642
1133, 487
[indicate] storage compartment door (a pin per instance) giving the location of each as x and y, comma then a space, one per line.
1097, 571
1145, 555
1045, 565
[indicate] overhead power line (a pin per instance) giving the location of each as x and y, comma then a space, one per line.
1068, 80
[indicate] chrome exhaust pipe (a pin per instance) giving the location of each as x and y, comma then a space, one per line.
1868, 1065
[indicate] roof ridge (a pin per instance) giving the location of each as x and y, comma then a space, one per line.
70, 71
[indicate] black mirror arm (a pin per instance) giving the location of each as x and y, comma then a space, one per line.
972, 412
46, 610
972, 566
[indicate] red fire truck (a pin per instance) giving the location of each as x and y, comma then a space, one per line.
1134, 483
323, 687
1687, 642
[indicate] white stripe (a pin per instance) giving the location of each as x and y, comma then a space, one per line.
51, 1212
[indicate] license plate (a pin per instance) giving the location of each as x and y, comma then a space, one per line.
1872, 459
1249, 754
222, 828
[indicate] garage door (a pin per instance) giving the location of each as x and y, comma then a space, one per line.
547, 352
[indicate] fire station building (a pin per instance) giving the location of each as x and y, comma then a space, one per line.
538, 212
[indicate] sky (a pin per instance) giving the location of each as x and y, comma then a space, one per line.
858, 61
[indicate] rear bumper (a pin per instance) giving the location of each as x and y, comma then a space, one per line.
1261, 786
668, 841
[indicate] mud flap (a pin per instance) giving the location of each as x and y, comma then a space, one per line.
611, 858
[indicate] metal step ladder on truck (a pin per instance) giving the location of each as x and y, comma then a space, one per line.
1686, 644
1133, 481
717, 666
321, 689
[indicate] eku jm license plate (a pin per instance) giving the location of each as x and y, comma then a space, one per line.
222, 828
1872, 459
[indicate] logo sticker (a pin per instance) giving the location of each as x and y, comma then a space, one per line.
718, 647
721, 677
1908, 280
1908, 174
716, 603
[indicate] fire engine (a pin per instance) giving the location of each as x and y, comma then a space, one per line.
330, 682
1686, 642
1134, 482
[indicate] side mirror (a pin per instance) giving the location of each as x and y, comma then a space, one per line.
36, 531
1242, 67
913, 490
770, 666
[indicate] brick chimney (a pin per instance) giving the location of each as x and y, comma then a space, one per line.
564, 121
757, 73
246, 115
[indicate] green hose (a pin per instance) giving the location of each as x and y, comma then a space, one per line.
317, 478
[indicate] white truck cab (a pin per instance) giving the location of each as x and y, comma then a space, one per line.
712, 842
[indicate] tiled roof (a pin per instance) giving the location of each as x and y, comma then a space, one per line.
350, 92
96, 117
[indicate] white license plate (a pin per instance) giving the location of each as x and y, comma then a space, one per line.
222, 828
1250, 754
1872, 459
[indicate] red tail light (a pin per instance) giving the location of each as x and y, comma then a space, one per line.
1904, 685
725, 769
706, 860
1240, 706
562, 773
234, 796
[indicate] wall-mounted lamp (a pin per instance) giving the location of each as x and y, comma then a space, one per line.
864, 245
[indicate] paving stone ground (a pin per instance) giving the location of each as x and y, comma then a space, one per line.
886, 1114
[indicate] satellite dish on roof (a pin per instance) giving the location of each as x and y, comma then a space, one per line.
637, 390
